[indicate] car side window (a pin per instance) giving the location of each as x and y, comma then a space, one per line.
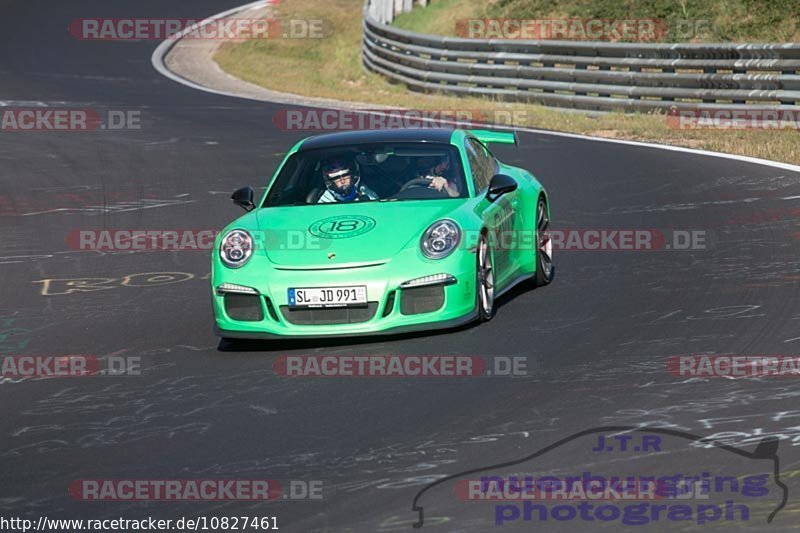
481, 162
288, 193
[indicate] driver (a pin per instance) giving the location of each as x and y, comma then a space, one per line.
438, 169
343, 182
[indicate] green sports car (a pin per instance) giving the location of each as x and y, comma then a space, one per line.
372, 232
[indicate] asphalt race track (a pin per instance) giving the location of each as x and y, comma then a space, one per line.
596, 340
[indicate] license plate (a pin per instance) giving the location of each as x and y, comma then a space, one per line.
328, 297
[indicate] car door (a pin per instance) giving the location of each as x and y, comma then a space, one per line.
498, 216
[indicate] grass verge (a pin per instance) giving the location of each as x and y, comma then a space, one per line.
331, 68
685, 20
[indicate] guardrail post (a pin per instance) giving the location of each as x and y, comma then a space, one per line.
377, 9
388, 11
374, 9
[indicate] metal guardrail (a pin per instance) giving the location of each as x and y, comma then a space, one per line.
587, 75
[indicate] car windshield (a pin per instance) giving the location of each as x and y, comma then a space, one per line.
369, 172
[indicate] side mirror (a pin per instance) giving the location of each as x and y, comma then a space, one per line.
500, 185
244, 198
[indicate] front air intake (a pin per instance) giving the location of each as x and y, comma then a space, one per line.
419, 300
329, 316
244, 307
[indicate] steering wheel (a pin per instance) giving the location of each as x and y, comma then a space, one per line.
416, 182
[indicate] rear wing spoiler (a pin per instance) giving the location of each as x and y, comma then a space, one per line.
499, 137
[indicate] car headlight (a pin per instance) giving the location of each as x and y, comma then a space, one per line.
440, 239
236, 248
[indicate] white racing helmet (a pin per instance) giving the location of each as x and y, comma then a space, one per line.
336, 168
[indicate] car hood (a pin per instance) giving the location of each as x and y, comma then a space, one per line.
357, 234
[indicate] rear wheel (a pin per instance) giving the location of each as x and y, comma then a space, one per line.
485, 280
544, 247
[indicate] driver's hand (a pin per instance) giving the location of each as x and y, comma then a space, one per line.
437, 182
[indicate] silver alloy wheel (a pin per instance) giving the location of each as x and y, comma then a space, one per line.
485, 278
545, 243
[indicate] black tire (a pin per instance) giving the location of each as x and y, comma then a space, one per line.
484, 279
545, 271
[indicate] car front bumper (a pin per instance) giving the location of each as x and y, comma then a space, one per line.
391, 308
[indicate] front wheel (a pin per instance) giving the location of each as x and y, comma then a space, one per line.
544, 247
485, 280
